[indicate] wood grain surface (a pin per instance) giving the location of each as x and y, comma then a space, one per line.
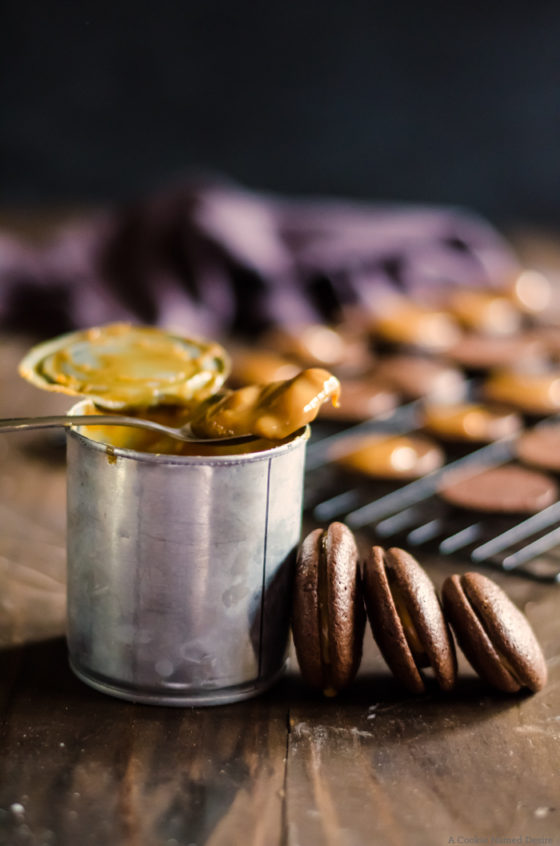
372, 766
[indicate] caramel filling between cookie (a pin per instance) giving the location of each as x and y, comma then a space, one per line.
323, 607
411, 634
506, 665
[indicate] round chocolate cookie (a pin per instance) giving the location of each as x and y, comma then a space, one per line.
485, 312
407, 620
409, 324
360, 398
317, 345
389, 456
469, 422
416, 376
533, 392
477, 352
252, 366
510, 489
540, 447
549, 338
328, 616
495, 636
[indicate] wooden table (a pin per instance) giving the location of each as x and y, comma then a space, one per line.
372, 766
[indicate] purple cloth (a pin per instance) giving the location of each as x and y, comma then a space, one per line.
214, 259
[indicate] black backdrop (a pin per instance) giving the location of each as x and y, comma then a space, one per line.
440, 102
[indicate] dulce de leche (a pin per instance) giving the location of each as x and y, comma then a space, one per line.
175, 380
272, 411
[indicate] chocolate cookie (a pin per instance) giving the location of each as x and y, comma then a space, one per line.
549, 338
510, 489
540, 447
328, 615
416, 376
360, 398
477, 352
533, 392
251, 366
389, 456
495, 636
317, 345
406, 323
407, 620
469, 422
486, 312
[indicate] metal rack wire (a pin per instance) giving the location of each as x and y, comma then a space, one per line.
413, 515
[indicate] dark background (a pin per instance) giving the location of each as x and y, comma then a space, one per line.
435, 102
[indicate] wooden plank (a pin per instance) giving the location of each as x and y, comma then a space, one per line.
372, 766
376, 765
32, 550
80, 767
32, 511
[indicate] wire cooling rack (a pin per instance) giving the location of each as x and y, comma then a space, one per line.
413, 515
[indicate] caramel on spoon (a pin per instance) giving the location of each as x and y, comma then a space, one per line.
273, 411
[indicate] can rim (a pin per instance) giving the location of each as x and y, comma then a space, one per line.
301, 436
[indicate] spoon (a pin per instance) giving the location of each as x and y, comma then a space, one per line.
182, 433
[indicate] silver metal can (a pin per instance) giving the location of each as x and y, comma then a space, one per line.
180, 570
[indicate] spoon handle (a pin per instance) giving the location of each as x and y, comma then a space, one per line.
17, 424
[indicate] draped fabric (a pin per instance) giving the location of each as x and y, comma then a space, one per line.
212, 258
